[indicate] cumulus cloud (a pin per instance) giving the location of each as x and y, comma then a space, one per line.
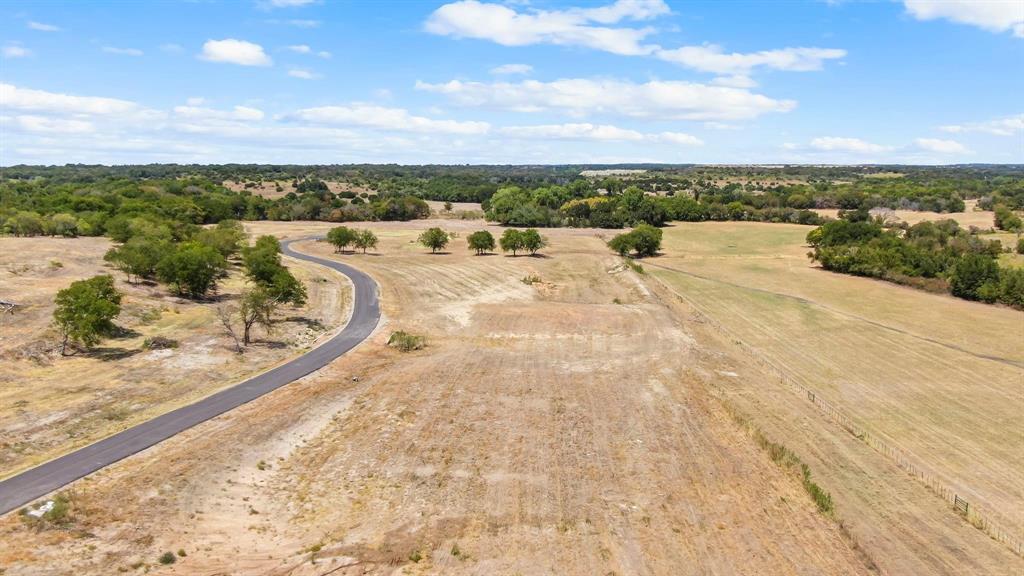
674, 100
572, 27
737, 81
122, 51
45, 125
41, 27
1007, 126
235, 52
12, 97
941, 146
991, 15
303, 74
510, 69
242, 113
571, 132
711, 58
839, 144
379, 117
15, 51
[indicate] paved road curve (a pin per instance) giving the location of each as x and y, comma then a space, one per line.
41, 480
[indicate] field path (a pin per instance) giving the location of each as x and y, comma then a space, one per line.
41, 480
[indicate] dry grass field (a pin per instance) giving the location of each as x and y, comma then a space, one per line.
937, 377
588, 422
969, 217
50, 404
562, 426
269, 189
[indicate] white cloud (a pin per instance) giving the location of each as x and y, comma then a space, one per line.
15, 51
235, 52
289, 3
855, 145
711, 58
303, 74
41, 101
1007, 126
43, 27
122, 51
45, 125
571, 132
172, 48
300, 49
737, 81
323, 54
196, 101
941, 146
396, 119
571, 27
304, 23
991, 15
674, 100
679, 138
241, 113
509, 69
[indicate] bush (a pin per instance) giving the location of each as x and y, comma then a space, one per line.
159, 343
405, 342
167, 558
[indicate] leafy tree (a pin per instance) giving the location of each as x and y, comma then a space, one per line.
1020, 246
64, 225
434, 238
482, 241
533, 241
505, 201
644, 240
1005, 219
511, 241
262, 260
365, 239
85, 310
24, 224
260, 303
971, 273
227, 237
139, 256
342, 237
192, 268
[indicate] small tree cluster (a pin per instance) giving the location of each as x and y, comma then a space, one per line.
342, 237
85, 311
273, 285
644, 240
1005, 219
530, 240
435, 239
192, 268
482, 241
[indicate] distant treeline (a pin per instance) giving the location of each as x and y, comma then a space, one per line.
938, 256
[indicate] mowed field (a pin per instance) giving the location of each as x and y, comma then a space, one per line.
938, 378
50, 404
558, 427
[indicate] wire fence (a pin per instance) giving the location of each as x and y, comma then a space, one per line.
903, 458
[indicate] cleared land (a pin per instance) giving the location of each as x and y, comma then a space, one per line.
937, 377
537, 433
269, 189
969, 217
50, 404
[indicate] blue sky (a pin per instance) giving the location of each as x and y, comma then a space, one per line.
300, 81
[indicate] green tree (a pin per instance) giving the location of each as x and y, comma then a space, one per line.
511, 241
505, 201
533, 241
342, 237
227, 237
482, 241
434, 238
24, 224
139, 256
365, 239
85, 310
64, 225
644, 240
971, 273
1005, 219
260, 303
193, 268
262, 260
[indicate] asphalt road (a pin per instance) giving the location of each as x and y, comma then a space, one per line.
19, 490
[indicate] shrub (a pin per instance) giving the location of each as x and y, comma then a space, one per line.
167, 558
159, 343
405, 342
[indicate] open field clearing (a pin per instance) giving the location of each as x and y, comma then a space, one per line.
537, 433
269, 189
939, 378
969, 217
50, 404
